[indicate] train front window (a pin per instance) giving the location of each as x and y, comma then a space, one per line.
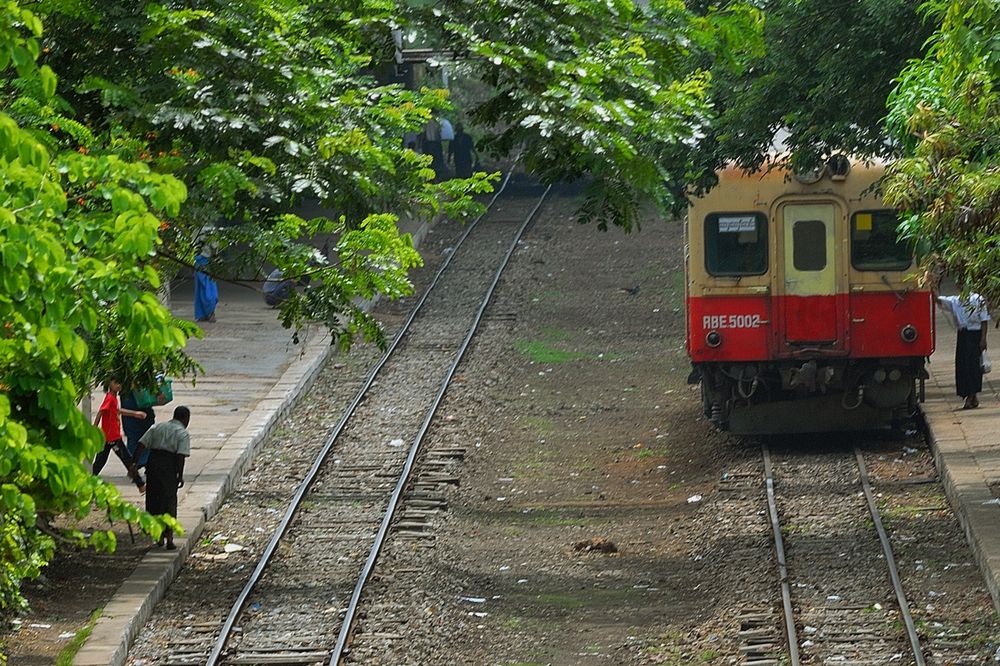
736, 244
809, 245
875, 244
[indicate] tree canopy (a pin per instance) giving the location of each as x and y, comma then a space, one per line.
821, 80
76, 234
614, 92
945, 110
168, 128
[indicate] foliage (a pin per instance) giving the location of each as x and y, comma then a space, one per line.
263, 108
820, 82
946, 110
239, 110
608, 91
77, 232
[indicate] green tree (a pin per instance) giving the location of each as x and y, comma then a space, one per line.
234, 109
611, 92
261, 106
821, 80
77, 233
946, 110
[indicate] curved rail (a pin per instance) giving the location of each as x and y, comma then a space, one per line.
303, 488
345, 628
793, 649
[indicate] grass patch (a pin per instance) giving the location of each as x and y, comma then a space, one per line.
543, 353
539, 425
561, 600
68, 653
646, 452
512, 623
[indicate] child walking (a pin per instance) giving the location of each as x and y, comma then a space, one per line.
109, 419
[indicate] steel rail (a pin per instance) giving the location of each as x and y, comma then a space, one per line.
890, 562
303, 488
397, 493
779, 547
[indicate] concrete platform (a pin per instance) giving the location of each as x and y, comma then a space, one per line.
253, 376
966, 446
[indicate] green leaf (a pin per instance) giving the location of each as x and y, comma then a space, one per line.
48, 78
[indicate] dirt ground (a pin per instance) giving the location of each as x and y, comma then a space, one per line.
572, 532
62, 600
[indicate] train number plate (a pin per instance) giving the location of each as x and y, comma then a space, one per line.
730, 321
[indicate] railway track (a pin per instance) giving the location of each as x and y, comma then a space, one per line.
842, 599
299, 603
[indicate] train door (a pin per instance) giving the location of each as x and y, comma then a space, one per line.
810, 308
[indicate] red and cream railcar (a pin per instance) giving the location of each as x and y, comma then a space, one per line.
802, 311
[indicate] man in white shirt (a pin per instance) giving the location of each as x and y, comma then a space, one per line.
970, 317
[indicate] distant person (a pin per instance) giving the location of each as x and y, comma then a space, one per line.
206, 292
447, 135
432, 146
108, 419
411, 140
462, 152
169, 445
971, 319
277, 288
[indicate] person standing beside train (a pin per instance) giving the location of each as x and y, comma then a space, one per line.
971, 317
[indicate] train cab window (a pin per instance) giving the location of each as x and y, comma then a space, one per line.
736, 244
875, 244
809, 245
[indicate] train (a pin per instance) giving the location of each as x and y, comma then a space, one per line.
804, 312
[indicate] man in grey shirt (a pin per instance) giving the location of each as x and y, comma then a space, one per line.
169, 444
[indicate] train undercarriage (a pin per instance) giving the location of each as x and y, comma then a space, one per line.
814, 395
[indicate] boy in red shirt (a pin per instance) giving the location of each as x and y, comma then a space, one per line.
109, 419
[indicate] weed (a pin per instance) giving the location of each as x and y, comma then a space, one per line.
68, 653
543, 353
539, 425
513, 623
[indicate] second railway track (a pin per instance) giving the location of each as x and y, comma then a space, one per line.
292, 610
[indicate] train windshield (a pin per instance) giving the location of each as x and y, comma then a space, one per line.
736, 244
875, 244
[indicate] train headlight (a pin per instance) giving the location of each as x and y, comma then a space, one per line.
713, 339
838, 166
908, 333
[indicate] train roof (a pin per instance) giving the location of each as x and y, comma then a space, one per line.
853, 179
